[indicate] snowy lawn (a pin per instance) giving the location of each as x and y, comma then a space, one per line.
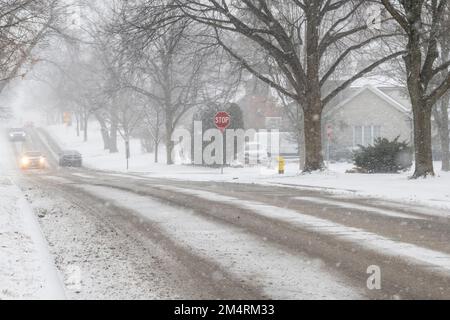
432, 191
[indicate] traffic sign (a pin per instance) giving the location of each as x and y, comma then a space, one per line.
67, 117
222, 120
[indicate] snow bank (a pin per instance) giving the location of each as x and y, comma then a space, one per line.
27, 270
430, 192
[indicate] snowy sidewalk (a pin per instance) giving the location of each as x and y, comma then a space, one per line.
26, 267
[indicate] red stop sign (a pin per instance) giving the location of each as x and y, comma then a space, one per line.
222, 120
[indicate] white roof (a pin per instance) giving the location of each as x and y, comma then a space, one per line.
391, 101
377, 81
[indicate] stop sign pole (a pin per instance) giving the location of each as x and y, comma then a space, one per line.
330, 137
222, 121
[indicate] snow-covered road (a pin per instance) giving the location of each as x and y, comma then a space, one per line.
125, 236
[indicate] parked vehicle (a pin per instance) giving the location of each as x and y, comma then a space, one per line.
33, 160
17, 135
70, 158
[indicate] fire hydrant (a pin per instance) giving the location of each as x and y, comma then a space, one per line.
281, 165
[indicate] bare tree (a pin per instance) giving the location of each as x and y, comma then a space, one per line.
441, 114
23, 25
167, 70
421, 21
294, 36
440, 111
152, 122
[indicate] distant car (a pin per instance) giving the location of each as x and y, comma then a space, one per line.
70, 158
33, 160
17, 135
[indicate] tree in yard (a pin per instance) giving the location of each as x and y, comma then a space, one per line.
427, 77
441, 114
303, 41
130, 112
152, 123
23, 25
440, 111
168, 67
237, 122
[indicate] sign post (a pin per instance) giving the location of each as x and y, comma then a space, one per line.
222, 120
127, 152
329, 138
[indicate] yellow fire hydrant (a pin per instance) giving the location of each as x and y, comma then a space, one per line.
281, 165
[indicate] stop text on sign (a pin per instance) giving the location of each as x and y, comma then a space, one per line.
222, 121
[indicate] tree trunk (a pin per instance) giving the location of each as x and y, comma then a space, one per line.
86, 119
169, 145
169, 132
444, 133
422, 142
105, 137
104, 131
156, 151
313, 109
113, 137
313, 138
78, 125
157, 139
421, 111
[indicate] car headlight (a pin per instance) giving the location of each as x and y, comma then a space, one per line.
42, 160
25, 161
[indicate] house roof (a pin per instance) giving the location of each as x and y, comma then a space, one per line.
378, 81
391, 101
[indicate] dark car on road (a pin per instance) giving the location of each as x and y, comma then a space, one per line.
17, 135
33, 160
70, 158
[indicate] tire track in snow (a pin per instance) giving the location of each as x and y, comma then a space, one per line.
282, 275
346, 205
427, 258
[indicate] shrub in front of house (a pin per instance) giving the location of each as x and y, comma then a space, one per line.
384, 156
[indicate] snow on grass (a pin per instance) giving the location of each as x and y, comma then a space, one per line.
143, 163
94, 156
27, 270
281, 274
430, 192
435, 260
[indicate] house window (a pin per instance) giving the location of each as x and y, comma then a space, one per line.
365, 135
357, 136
